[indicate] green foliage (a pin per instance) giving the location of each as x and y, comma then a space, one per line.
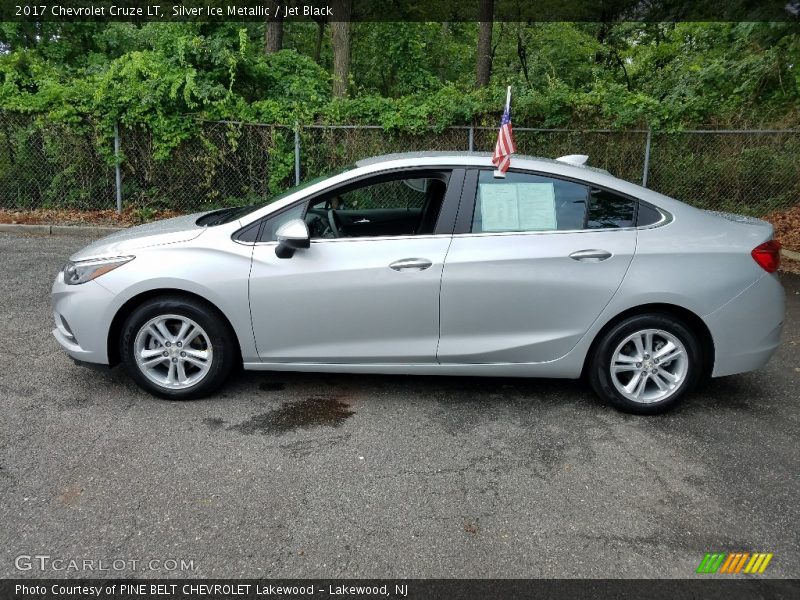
163, 80
406, 76
403, 65
143, 214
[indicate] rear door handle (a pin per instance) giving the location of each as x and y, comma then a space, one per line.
590, 255
411, 264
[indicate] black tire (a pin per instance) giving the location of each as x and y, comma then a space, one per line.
222, 340
599, 368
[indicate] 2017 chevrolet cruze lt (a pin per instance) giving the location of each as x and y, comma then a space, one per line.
434, 264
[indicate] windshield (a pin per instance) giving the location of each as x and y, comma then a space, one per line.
227, 215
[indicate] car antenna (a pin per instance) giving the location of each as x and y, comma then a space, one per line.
578, 160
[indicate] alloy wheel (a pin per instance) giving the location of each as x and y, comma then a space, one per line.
173, 351
649, 366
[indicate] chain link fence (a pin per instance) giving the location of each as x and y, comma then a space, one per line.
749, 172
223, 164
53, 165
46, 164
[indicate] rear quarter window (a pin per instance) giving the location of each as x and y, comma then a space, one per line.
647, 215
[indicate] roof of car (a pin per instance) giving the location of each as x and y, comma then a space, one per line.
471, 158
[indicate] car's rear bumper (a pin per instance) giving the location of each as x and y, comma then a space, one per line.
81, 324
747, 329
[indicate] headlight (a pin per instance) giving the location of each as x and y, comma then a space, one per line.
82, 271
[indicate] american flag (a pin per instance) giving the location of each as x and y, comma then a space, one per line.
505, 140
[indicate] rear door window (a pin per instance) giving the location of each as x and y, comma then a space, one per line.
521, 202
527, 202
608, 210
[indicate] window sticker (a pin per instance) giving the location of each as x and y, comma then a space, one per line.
537, 206
499, 210
518, 207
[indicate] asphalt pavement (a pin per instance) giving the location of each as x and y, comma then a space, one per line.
307, 475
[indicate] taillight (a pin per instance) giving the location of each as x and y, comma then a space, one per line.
768, 255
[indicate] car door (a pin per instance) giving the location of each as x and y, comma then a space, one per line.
367, 296
532, 268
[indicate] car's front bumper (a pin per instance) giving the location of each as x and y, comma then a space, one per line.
81, 319
747, 329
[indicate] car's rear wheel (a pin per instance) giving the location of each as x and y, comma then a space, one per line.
177, 348
646, 363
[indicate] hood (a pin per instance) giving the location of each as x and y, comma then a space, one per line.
119, 243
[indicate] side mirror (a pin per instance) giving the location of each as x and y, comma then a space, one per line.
292, 235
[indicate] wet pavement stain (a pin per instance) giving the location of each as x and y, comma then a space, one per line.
271, 386
316, 411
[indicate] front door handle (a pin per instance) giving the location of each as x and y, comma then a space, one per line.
590, 255
411, 264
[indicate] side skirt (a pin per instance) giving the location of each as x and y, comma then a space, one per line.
557, 369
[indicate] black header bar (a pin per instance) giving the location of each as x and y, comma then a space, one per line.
400, 10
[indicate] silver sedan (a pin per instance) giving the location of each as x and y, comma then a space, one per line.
435, 264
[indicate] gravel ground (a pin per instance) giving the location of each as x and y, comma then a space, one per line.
299, 475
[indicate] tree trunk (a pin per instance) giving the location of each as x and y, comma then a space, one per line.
273, 31
273, 37
443, 58
484, 56
318, 43
602, 34
340, 39
522, 53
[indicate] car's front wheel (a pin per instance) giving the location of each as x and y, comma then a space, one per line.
646, 363
177, 348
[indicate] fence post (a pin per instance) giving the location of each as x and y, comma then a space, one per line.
647, 156
117, 169
471, 138
296, 153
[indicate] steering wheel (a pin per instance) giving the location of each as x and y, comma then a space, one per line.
335, 223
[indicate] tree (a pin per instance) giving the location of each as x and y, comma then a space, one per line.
407, 74
273, 30
318, 41
484, 56
340, 40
